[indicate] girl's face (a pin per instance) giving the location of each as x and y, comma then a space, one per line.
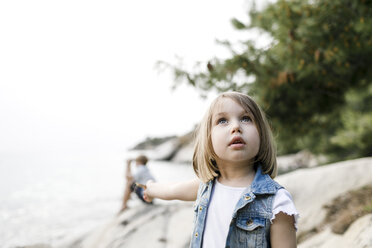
235, 138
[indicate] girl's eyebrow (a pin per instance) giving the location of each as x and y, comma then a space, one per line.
242, 112
217, 115
220, 113
248, 112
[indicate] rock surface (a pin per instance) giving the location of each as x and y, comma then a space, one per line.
313, 188
35, 246
184, 154
167, 150
359, 235
302, 159
158, 226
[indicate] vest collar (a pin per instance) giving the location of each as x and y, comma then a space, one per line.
263, 183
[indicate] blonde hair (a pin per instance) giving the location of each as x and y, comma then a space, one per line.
204, 162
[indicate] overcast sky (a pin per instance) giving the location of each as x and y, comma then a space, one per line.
80, 74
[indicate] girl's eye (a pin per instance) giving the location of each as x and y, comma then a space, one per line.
222, 121
246, 119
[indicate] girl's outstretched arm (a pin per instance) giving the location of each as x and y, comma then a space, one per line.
283, 232
184, 191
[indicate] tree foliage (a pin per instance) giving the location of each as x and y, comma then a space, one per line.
313, 80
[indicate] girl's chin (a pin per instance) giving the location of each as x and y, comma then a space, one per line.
240, 160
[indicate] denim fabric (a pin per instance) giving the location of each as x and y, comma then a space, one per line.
250, 223
139, 192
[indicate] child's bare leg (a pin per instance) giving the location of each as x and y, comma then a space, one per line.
126, 196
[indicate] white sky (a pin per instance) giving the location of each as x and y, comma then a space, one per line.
80, 74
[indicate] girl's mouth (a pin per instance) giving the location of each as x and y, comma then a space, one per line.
237, 142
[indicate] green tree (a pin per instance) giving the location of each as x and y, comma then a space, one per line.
317, 64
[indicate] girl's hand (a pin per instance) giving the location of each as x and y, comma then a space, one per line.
147, 193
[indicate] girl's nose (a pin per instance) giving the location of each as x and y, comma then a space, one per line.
235, 127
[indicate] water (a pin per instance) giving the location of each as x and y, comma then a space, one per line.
58, 199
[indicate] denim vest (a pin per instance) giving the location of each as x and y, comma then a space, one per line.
250, 223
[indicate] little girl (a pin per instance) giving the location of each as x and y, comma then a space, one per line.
238, 204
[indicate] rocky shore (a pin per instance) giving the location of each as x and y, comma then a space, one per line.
169, 224
334, 202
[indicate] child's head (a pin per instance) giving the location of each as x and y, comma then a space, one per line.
204, 159
141, 159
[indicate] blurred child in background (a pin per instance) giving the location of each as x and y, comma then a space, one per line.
140, 176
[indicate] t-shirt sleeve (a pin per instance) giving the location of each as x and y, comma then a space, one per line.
283, 202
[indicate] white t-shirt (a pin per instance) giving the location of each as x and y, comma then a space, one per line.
142, 174
221, 207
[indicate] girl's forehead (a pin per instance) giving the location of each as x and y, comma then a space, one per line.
226, 104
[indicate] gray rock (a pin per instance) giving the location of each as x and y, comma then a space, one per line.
166, 150
302, 159
184, 154
162, 226
357, 236
35, 246
313, 188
